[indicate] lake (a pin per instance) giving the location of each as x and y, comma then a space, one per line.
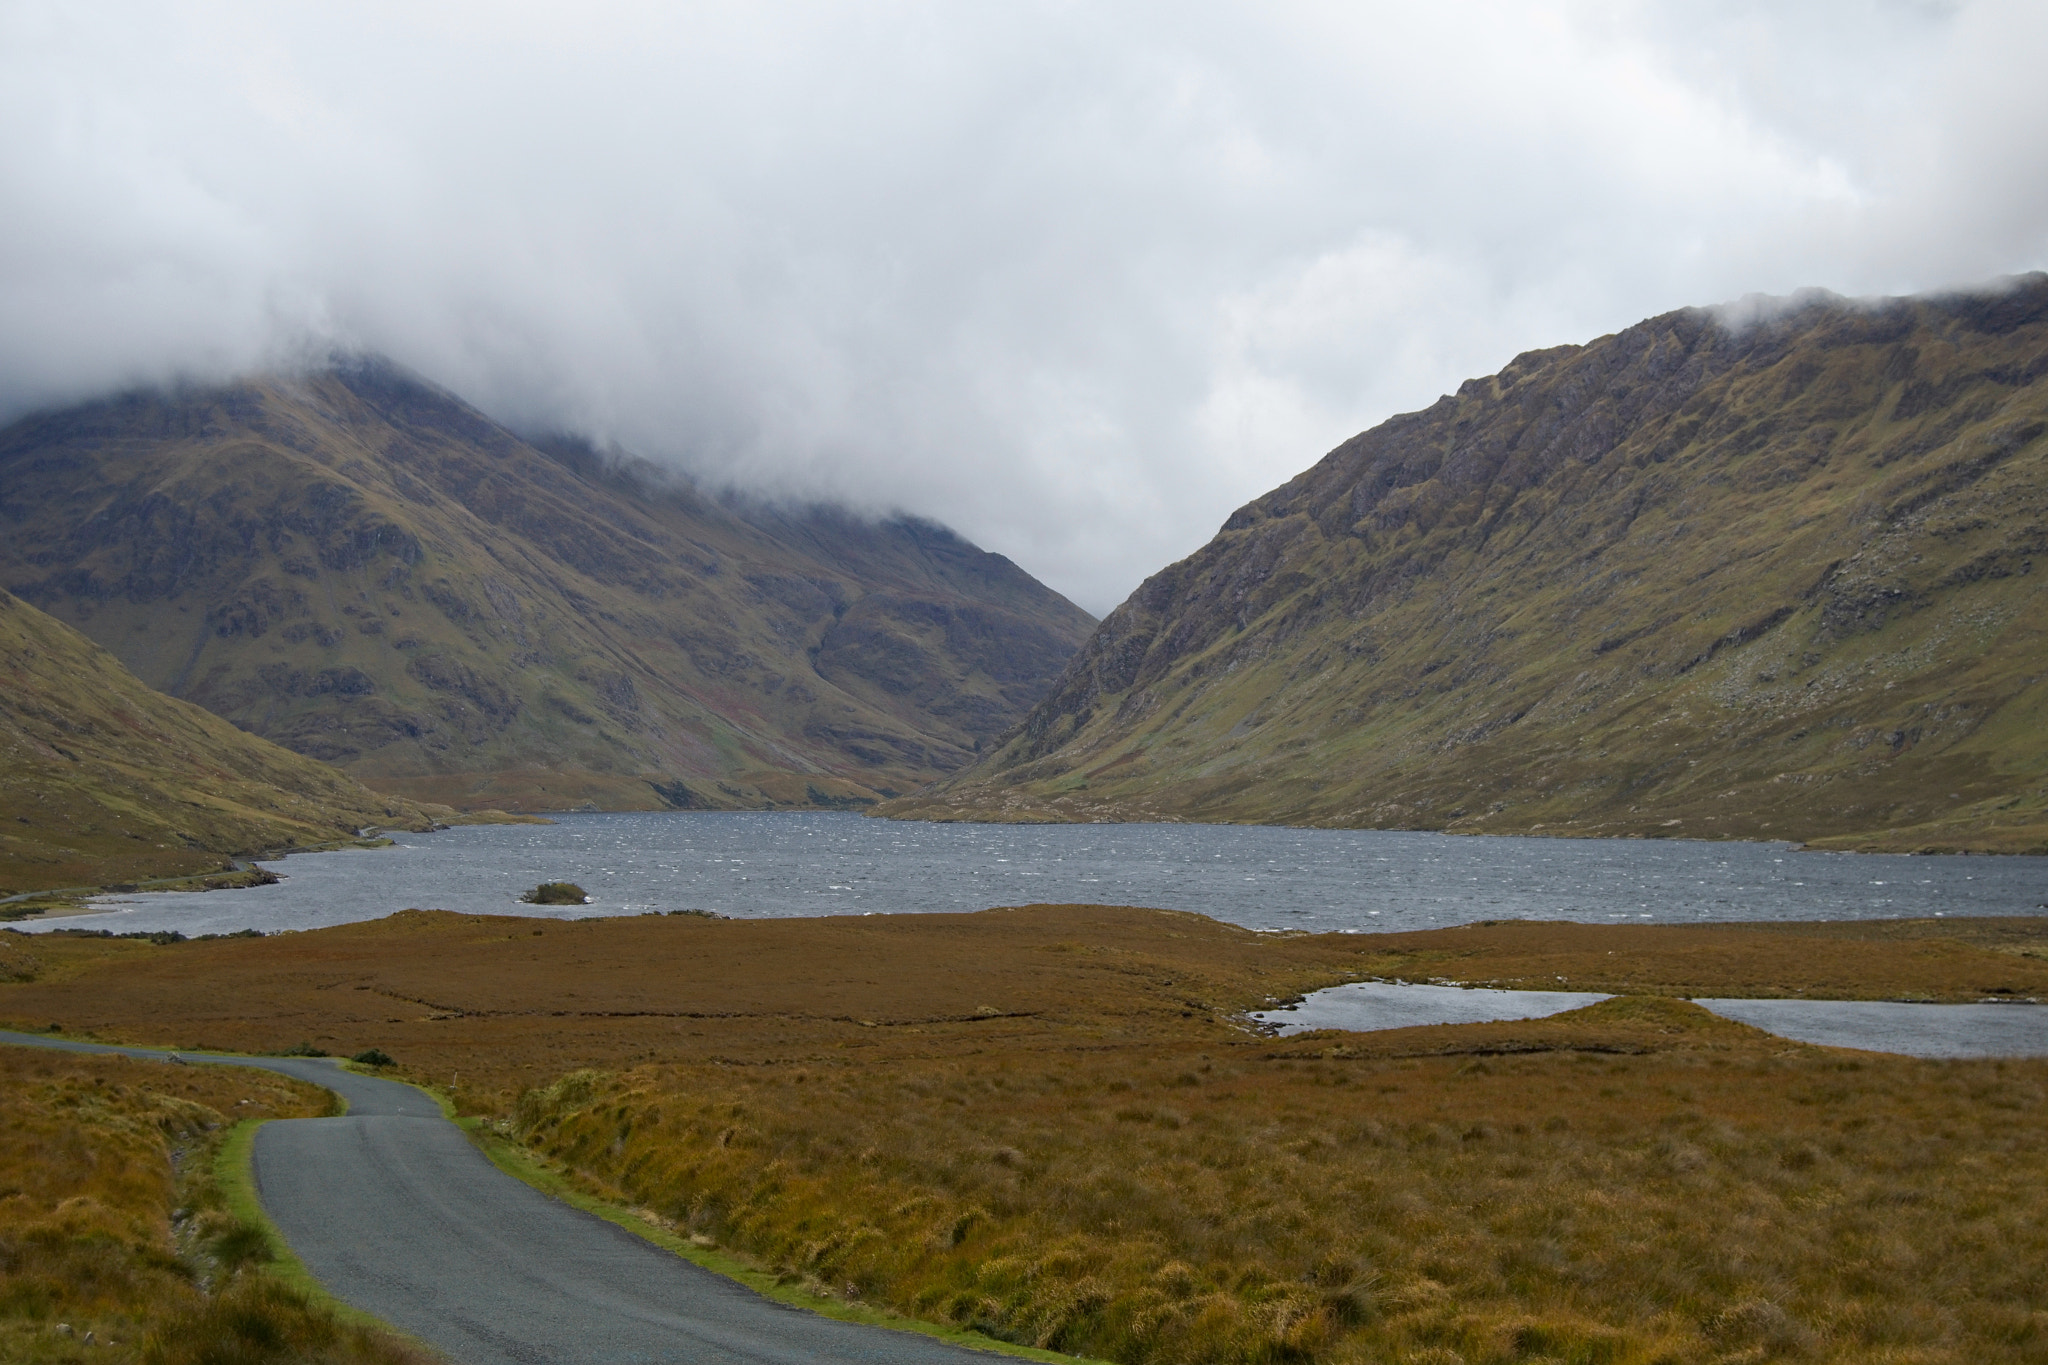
763, 864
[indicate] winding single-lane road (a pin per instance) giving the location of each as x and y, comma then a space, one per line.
395, 1211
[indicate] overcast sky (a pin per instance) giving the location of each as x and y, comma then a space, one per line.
1076, 279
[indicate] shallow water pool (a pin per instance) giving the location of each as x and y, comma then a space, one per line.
1915, 1030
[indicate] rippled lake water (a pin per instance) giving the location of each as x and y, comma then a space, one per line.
761, 864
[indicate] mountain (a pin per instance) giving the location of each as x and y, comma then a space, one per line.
1709, 577
363, 568
104, 780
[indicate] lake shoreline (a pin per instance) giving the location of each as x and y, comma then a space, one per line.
751, 864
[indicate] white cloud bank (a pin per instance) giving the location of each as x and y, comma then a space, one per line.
1075, 279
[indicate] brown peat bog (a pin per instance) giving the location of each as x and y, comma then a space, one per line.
1052, 1125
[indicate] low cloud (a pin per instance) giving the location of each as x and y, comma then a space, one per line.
1077, 280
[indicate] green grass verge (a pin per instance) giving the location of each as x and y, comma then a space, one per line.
521, 1164
234, 1174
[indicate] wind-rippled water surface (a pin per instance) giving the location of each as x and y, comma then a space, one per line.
761, 864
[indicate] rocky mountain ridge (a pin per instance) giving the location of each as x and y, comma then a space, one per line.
1706, 578
361, 567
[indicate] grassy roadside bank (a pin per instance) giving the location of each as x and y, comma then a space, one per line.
125, 1229
573, 1187
1046, 1126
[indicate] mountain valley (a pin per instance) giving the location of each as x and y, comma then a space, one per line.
364, 569
1707, 577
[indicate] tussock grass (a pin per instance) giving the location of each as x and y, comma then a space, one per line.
1049, 1124
116, 1243
256, 1320
1924, 959
1720, 1195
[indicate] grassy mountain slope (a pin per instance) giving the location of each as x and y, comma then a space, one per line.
1775, 580
103, 780
364, 569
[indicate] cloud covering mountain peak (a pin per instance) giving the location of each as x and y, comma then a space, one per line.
1076, 280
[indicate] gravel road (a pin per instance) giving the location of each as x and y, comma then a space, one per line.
395, 1211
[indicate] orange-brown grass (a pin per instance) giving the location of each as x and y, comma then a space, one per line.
506, 1003
110, 1223
1051, 1124
509, 1002
1709, 1193
1927, 959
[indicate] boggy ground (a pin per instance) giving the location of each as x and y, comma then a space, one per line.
1916, 959
1049, 1123
116, 1243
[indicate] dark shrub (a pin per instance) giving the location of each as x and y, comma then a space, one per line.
241, 1244
262, 1322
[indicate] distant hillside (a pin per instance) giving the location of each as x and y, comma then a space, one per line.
1776, 580
364, 569
103, 780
